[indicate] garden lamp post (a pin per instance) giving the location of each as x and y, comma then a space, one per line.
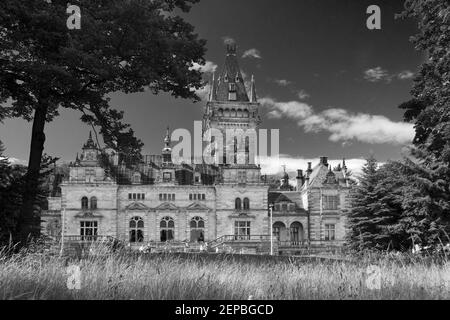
270, 229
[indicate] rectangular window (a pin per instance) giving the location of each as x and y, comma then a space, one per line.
173, 197
242, 176
143, 196
160, 196
242, 230
284, 207
167, 177
88, 230
130, 196
190, 196
195, 196
330, 232
203, 196
330, 202
134, 196
139, 196
165, 196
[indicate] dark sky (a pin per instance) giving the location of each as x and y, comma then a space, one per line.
328, 83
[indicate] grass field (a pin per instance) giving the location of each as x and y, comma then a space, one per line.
177, 276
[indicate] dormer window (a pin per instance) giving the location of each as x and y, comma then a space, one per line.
232, 92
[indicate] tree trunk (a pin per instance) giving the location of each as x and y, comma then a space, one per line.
29, 220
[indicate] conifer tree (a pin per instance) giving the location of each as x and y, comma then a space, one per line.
360, 224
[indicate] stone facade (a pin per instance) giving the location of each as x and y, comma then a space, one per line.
160, 201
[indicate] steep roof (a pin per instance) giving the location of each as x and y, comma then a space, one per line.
318, 176
286, 196
231, 74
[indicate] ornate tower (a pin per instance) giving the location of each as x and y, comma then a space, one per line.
89, 155
230, 108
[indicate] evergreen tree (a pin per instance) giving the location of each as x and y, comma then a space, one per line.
361, 230
426, 202
387, 199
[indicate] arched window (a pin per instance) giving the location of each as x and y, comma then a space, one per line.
246, 114
93, 203
84, 203
246, 204
220, 112
197, 229
136, 229
238, 204
167, 231
278, 230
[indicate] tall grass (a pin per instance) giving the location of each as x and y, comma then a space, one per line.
124, 275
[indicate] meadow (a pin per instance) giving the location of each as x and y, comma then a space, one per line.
125, 275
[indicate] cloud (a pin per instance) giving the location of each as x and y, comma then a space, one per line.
379, 74
282, 82
273, 165
203, 93
252, 53
341, 124
228, 40
303, 95
208, 67
15, 161
406, 75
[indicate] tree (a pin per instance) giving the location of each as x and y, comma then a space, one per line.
427, 198
429, 109
123, 45
360, 226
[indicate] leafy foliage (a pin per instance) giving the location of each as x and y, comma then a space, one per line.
123, 45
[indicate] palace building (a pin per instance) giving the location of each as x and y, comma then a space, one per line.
158, 201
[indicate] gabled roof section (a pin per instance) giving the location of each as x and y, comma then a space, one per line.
197, 206
286, 196
136, 206
318, 176
230, 78
167, 206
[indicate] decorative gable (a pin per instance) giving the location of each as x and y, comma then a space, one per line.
136, 206
197, 207
167, 206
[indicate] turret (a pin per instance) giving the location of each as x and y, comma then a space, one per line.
167, 150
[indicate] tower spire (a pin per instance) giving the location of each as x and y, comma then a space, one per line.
230, 86
213, 84
253, 91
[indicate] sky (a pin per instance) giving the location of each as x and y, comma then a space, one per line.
331, 85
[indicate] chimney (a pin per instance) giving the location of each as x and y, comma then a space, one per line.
324, 161
300, 179
309, 170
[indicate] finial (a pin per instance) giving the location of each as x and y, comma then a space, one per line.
231, 48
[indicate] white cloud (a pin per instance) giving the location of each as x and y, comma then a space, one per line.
15, 161
379, 74
342, 124
203, 93
282, 82
228, 40
406, 75
252, 53
303, 95
208, 67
